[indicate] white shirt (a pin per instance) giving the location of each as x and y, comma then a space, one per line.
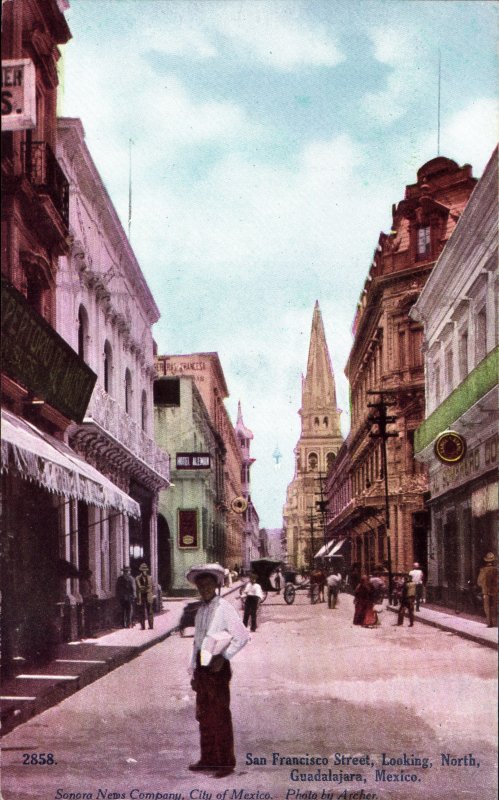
253, 590
216, 616
416, 575
333, 580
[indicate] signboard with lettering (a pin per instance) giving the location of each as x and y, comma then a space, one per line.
34, 355
450, 447
187, 528
193, 461
18, 94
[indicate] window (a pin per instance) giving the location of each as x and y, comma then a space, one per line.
449, 370
480, 335
312, 461
415, 347
143, 411
167, 392
330, 460
423, 247
436, 384
82, 333
326, 422
108, 367
402, 348
316, 421
463, 355
128, 392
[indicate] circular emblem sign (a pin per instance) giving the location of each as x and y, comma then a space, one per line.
450, 447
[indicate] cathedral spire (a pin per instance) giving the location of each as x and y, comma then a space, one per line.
318, 390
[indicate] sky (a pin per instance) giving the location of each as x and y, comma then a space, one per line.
269, 141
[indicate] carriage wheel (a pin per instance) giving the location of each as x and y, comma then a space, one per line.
289, 594
314, 594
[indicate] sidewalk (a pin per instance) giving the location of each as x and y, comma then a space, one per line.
473, 629
77, 664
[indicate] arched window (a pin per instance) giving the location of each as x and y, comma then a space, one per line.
128, 391
108, 367
326, 421
82, 333
316, 421
143, 411
330, 459
312, 461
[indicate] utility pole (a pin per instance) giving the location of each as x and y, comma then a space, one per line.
381, 419
321, 506
312, 546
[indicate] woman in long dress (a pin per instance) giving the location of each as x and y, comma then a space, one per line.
364, 603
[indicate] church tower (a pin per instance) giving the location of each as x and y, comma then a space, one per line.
316, 449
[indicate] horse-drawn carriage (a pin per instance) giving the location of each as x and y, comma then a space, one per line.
265, 567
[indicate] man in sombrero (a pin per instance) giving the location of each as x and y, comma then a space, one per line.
219, 634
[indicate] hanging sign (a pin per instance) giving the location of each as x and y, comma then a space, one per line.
18, 94
450, 447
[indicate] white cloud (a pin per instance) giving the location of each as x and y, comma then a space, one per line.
405, 53
276, 34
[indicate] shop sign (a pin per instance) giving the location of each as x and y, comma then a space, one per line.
18, 95
34, 355
187, 528
478, 460
450, 447
193, 461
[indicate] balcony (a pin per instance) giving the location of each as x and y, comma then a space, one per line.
42, 169
110, 432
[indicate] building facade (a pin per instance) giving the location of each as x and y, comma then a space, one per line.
206, 371
319, 442
190, 527
105, 311
386, 356
251, 520
46, 385
458, 307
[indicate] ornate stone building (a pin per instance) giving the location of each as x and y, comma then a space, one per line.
319, 442
458, 307
387, 355
106, 312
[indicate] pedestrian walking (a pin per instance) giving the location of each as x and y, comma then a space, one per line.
277, 580
145, 596
487, 581
364, 603
417, 576
211, 681
125, 592
333, 581
407, 599
253, 595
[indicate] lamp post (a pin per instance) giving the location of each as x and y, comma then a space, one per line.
381, 419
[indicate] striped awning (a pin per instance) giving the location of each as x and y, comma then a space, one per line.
36, 456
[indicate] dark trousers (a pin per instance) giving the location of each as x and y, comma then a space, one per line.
419, 595
143, 607
214, 717
250, 609
409, 605
126, 612
332, 596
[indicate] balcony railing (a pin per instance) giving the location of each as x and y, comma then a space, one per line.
44, 172
110, 416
